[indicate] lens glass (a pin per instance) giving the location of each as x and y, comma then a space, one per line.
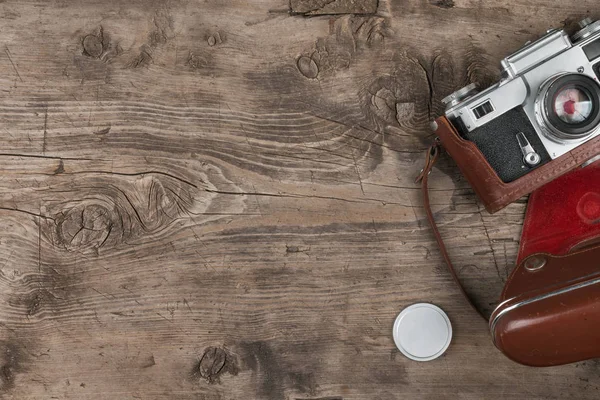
573, 104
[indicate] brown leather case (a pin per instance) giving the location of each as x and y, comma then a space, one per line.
551, 315
550, 306
490, 189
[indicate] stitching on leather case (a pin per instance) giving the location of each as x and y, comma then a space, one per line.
531, 185
587, 153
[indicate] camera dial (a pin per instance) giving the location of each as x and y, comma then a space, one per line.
588, 27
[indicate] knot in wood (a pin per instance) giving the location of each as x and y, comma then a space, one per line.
215, 361
92, 46
308, 67
403, 99
212, 362
86, 225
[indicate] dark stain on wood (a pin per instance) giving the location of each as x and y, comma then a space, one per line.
394, 374
61, 168
304, 382
322, 398
51, 287
443, 3
268, 374
149, 362
327, 7
13, 359
272, 374
34, 302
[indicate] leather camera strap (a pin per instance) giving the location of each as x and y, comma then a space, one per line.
431, 158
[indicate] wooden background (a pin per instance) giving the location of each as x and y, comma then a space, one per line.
214, 199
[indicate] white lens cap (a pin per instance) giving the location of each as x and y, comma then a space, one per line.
422, 332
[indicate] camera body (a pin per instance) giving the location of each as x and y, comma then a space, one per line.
546, 105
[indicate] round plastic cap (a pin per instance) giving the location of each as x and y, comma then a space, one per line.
422, 332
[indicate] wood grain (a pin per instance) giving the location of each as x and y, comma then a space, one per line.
215, 200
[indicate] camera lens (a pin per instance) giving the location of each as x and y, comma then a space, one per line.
573, 105
570, 106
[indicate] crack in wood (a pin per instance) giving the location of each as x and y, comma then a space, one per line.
12, 63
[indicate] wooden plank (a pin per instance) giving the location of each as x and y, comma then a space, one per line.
215, 200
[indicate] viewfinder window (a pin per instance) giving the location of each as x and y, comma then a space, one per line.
592, 50
483, 110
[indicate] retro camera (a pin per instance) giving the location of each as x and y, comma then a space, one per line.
546, 104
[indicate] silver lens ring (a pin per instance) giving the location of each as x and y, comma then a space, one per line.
588, 27
567, 107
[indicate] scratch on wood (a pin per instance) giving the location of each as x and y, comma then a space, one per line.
487, 235
26, 212
39, 246
107, 296
48, 157
185, 302
13, 64
362, 189
103, 131
45, 131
